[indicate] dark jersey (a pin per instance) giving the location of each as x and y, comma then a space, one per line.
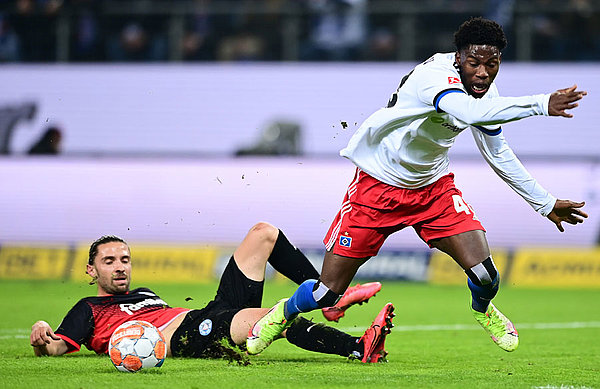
93, 319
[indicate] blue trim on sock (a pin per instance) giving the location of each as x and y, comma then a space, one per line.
482, 295
301, 301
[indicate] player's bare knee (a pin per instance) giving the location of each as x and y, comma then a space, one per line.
264, 232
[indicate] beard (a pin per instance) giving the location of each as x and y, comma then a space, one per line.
114, 286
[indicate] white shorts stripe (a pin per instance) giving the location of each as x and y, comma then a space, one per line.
333, 236
345, 208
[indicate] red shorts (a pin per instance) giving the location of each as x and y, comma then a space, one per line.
372, 211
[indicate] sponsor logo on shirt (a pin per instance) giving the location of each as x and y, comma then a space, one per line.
452, 127
130, 308
345, 241
205, 327
454, 80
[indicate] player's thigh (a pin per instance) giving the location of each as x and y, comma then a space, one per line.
338, 271
236, 290
243, 321
467, 249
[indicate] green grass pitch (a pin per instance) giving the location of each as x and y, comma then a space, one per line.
435, 344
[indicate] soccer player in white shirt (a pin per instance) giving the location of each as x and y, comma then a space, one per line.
402, 179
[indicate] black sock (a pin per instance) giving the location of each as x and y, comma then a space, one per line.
291, 262
322, 339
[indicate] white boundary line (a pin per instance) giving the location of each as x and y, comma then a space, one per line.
473, 327
2, 337
23, 333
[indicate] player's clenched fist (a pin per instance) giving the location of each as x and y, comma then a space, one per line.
42, 334
564, 99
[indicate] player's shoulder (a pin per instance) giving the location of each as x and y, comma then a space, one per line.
93, 301
438, 68
436, 74
84, 304
438, 62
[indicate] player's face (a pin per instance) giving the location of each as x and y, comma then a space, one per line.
112, 268
478, 66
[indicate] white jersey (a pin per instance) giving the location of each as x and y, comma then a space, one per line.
406, 143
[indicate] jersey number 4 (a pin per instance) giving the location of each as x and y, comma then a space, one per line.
461, 206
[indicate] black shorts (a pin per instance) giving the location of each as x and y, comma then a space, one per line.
202, 330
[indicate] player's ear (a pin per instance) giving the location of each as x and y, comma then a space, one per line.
91, 271
457, 61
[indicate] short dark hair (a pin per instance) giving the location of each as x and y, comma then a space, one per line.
479, 31
98, 242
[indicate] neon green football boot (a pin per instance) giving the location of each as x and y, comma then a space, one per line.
502, 330
267, 329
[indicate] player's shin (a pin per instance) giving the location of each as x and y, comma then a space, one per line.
291, 262
483, 282
310, 295
323, 339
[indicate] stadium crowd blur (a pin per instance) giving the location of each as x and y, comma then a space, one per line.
275, 30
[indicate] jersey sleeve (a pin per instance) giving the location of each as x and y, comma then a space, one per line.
507, 166
495, 110
77, 327
491, 129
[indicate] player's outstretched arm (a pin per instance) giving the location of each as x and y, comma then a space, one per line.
564, 99
567, 211
44, 341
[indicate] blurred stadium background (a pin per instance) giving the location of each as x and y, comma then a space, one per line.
179, 124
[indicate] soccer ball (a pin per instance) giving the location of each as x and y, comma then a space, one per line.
137, 345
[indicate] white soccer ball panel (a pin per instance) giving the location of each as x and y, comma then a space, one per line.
152, 335
126, 346
143, 348
150, 361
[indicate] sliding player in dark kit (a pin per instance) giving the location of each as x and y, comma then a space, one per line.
200, 333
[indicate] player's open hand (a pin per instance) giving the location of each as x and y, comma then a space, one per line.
567, 211
564, 99
42, 334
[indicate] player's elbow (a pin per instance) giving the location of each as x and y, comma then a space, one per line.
471, 120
